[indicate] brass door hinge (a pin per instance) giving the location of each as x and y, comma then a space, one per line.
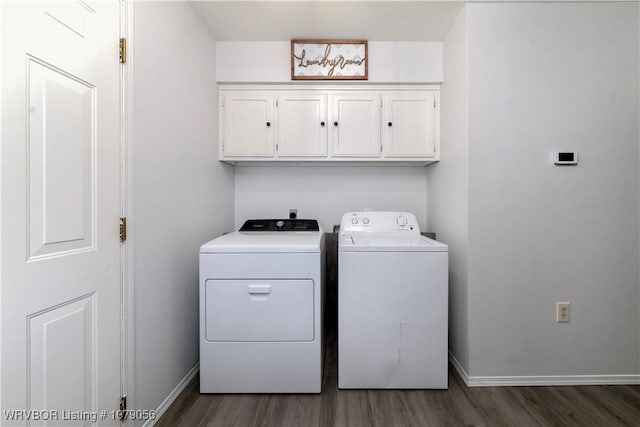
123, 229
123, 51
123, 407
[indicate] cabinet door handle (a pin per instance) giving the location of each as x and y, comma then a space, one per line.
322, 124
335, 124
389, 124
268, 124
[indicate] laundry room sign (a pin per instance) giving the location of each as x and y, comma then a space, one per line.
329, 60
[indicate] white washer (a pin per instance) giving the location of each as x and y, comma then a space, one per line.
261, 292
392, 303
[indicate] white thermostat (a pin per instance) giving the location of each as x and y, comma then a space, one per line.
565, 157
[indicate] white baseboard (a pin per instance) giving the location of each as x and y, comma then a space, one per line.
173, 395
552, 380
541, 380
459, 369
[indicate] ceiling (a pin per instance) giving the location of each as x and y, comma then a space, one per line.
299, 19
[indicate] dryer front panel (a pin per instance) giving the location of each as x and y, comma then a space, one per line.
241, 310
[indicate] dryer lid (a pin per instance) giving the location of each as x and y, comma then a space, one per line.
265, 242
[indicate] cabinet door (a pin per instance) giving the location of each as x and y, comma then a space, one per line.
302, 124
247, 124
410, 124
355, 125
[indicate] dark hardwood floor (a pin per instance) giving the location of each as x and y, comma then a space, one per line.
601, 406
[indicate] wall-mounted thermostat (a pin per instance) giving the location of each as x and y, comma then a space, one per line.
565, 157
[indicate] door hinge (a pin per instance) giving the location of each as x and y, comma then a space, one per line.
123, 229
123, 407
434, 103
123, 51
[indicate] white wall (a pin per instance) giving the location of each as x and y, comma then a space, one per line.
448, 184
182, 195
270, 62
546, 77
327, 192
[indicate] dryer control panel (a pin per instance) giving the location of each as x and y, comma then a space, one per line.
379, 223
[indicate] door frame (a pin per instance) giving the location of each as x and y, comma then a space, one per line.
1, 145
127, 373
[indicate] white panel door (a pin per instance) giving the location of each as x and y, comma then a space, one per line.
60, 175
410, 124
247, 124
355, 125
302, 124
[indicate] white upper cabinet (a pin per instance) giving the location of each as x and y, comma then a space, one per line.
329, 123
355, 124
247, 124
301, 124
410, 124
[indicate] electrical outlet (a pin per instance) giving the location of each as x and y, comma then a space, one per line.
563, 312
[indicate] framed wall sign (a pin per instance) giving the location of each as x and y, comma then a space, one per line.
329, 60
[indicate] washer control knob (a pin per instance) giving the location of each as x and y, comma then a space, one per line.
354, 221
402, 221
365, 221
279, 225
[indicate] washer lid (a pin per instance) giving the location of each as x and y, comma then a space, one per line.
265, 242
356, 243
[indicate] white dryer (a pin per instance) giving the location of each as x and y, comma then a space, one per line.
261, 291
392, 304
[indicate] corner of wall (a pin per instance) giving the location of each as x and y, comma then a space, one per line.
447, 183
177, 175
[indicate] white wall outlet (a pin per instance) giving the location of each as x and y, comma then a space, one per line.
563, 312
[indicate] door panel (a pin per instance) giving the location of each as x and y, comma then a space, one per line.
71, 15
61, 161
60, 303
62, 351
